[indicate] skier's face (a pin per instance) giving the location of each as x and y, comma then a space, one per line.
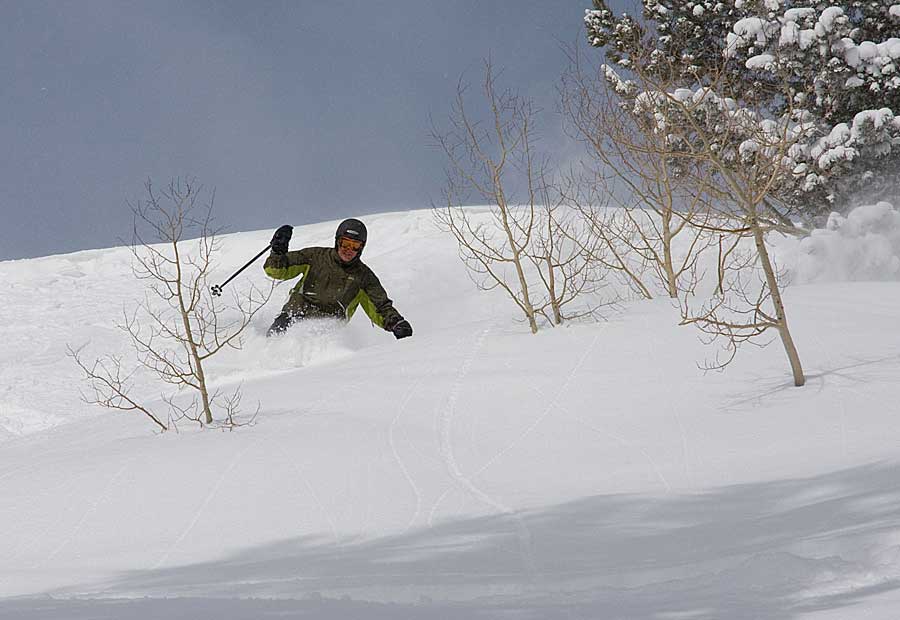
348, 249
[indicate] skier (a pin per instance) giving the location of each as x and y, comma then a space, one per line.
334, 281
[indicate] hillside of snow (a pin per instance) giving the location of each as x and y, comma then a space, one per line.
471, 471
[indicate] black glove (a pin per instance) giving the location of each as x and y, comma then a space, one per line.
281, 239
402, 329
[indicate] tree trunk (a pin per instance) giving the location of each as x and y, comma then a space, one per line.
782, 325
192, 345
671, 282
527, 306
551, 288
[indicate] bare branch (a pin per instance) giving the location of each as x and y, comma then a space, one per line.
528, 244
178, 325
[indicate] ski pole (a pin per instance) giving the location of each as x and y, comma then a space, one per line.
216, 289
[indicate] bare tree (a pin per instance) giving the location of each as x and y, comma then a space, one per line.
566, 259
626, 168
526, 248
179, 325
731, 157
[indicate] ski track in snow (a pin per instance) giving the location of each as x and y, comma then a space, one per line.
393, 444
672, 405
302, 475
448, 412
99, 499
209, 497
554, 403
617, 438
69, 491
551, 405
26, 542
626, 444
366, 521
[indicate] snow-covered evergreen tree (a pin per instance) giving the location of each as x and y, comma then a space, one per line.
825, 69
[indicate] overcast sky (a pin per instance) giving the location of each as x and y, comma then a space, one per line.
295, 111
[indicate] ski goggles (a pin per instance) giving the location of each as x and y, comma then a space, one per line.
345, 243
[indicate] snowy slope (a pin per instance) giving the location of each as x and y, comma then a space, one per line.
473, 470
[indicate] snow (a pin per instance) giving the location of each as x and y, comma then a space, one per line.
760, 61
471, 471
790, 34
835, 147
876, 119
864, 245
799, 14
867, 57
829, 16
748, 31
751, 28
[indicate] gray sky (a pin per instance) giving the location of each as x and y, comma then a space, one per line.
295, 111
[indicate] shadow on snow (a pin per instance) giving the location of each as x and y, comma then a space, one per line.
773, 550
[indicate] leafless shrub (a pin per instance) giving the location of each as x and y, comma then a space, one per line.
179, 325
649, 237
530, 246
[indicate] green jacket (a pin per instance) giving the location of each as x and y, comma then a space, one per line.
331, 287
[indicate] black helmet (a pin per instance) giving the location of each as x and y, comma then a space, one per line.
351, 229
